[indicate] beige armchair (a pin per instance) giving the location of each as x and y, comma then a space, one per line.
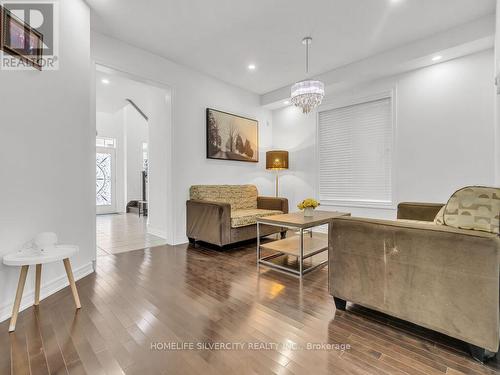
226, 214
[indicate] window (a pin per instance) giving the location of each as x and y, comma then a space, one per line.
105, 142
103, 179
355, 154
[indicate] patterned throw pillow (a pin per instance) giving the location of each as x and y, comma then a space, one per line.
474, 207
439, 219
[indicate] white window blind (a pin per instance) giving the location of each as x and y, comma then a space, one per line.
355, 154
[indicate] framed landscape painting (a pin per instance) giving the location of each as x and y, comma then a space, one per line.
232, 137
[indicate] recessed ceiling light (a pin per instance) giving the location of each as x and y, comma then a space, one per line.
396, 1
437, 58
286, 102
105, 81
252, 67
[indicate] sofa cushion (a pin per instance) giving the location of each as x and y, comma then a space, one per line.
474, 207
238, 196
244, 217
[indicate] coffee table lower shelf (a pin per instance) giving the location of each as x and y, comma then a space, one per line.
297, 255
286, 253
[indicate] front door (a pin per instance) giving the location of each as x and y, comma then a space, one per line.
105, 180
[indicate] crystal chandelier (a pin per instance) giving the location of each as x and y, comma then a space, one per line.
307, 94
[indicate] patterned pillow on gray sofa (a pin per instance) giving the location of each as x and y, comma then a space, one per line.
474, 207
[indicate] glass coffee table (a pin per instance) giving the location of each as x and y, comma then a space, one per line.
299, 253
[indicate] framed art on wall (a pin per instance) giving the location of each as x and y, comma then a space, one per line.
20, 40
232, 137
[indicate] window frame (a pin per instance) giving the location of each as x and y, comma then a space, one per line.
106, 139
350, 100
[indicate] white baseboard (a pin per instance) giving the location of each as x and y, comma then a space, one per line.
46, 290
181, 239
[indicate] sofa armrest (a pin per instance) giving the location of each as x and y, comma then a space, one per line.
431, 275
208, 221
272, 203
418, 211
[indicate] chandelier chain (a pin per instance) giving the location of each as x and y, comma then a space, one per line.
307, 56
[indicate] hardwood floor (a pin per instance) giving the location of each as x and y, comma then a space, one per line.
181, 295
119, 233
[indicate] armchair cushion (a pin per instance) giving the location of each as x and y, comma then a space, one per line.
238, 196
474, 207
244, 217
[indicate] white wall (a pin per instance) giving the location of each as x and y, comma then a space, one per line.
446, 128
192, 93
47, 157
111, 125
444, 138
160, 210
136, 129
296, 132
497, 93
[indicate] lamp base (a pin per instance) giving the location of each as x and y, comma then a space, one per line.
277, 184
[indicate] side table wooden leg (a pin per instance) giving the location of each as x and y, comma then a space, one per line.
19, 296
69, 272
38, 279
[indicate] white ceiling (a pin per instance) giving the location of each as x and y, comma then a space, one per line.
111, 97
221, 37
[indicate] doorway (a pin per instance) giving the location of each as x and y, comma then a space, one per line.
131, 117
105, 178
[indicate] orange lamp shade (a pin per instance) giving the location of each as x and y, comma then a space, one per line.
277, 159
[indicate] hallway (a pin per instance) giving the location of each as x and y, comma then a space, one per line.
119, 233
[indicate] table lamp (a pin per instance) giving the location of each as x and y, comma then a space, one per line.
276, 161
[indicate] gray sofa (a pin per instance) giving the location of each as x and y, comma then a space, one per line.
437, 276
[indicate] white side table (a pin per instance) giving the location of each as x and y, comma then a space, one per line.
31, 257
